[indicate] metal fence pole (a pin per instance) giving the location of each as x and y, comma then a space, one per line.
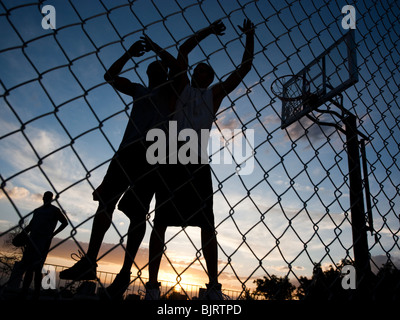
359, 228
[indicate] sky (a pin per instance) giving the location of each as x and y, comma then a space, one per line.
60, 124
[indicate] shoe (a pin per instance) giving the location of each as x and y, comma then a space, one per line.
152, 291
117, 288
84, 269
214, 292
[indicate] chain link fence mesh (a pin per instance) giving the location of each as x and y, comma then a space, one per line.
61, 124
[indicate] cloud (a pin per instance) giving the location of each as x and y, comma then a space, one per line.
20, 196
306, 128
242, 90
285, 268
15, 193
226, 121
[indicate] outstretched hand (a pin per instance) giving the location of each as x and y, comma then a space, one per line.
218, 28
248, 27
148, 43
138, 49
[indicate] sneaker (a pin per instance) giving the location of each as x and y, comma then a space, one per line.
116, 290
84, 269
152, 291
214, 292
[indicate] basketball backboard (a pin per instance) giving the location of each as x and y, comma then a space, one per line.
328, 75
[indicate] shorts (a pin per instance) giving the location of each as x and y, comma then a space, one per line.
135, 202
184, 196
128, 169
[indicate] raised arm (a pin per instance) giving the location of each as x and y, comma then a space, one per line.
164, 55
221, 90
112, 75
216, 28
174, 84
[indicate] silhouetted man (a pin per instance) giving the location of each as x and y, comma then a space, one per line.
187, 197
41, 230
129, 172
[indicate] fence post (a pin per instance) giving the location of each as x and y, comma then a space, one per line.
358, 223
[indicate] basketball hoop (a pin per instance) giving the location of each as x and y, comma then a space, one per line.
327, 76
291, 88
294, 92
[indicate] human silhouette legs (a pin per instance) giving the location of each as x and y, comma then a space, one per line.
210, 250
101, 223
156, 249
121, 282
135, 205
185, 199
125, 168
136, 232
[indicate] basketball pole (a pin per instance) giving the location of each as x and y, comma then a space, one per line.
298, 101
358, 221
357, 209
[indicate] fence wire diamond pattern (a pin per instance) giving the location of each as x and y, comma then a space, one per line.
61, 124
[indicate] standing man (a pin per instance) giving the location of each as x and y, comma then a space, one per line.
41, 230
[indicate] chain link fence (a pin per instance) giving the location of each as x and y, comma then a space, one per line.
291, 216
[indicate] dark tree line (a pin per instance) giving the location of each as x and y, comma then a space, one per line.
326, 285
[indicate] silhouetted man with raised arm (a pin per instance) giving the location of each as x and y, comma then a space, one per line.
129, 167
191, 203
